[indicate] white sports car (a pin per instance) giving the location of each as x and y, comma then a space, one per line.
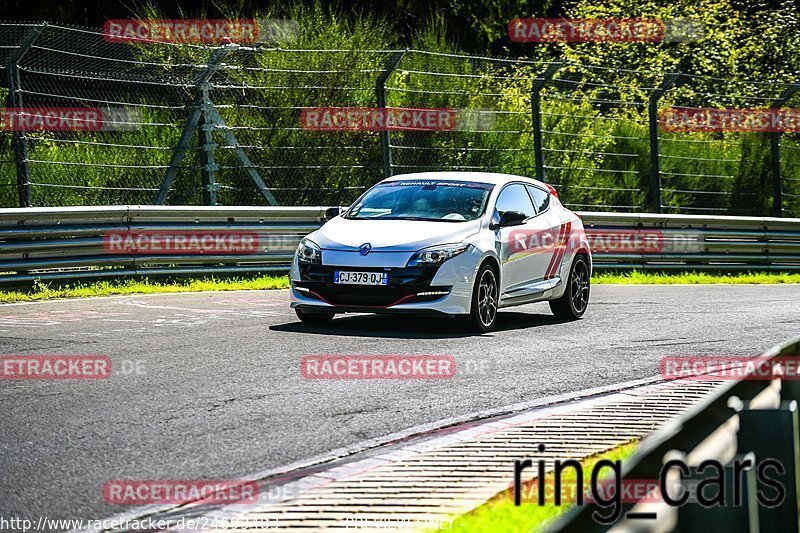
461, 244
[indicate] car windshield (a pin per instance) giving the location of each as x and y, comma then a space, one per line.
441, 201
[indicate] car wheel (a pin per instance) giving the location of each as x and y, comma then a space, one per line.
485, 296
314, 317
573, 303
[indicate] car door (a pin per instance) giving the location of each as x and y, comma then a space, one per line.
519, 246
553, 224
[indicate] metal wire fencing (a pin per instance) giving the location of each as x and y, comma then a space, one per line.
596, 137
224, 125
260, 94
65, 67
730, 172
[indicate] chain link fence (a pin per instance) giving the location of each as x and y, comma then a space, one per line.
221, 126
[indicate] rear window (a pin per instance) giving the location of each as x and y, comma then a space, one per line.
541, 198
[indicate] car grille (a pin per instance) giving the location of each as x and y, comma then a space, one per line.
370, 296
402, 283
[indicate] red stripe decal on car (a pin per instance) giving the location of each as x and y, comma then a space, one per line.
558, 256
555, 251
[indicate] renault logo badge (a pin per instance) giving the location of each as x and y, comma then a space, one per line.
365, 248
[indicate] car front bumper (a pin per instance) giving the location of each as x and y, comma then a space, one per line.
440, 290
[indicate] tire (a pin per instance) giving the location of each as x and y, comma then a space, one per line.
314, 318
572, 305
485, 297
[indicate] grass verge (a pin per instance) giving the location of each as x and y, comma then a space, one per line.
42, 291
637, 277
500, 513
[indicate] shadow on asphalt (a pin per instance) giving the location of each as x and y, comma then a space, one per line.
410, 327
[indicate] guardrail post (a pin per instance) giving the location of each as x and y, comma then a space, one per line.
380, 95
781, 427
727, 517
656, 197
15, 100
539, 83
775, 154
198, 112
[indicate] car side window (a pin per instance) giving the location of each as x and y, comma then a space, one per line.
541, 199
514, 198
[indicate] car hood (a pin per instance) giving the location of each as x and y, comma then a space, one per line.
391, 235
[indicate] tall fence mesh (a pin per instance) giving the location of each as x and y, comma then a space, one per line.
596, 143
221, 125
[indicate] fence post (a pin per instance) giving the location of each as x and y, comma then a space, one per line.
536, 117
656, 198
775, 153
199, 110
15, 100
380, 94
781, 424
208, 168
213, 117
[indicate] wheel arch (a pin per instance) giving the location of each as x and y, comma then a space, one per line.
494, 262
583, 251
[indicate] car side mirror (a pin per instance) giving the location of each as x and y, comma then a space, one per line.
510, 218
333, 212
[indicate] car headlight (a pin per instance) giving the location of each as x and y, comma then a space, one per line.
436, 255
309, 252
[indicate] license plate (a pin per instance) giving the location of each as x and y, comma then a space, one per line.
344, 277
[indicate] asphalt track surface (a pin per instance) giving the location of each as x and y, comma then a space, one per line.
218, 393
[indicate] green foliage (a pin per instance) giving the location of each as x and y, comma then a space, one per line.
594, 112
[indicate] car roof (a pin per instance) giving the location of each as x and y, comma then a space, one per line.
482, 177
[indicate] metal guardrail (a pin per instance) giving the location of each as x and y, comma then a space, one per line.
750, 418
55, 243
698, 242
63, 243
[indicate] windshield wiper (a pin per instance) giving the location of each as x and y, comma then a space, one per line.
425, 219
422, 219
